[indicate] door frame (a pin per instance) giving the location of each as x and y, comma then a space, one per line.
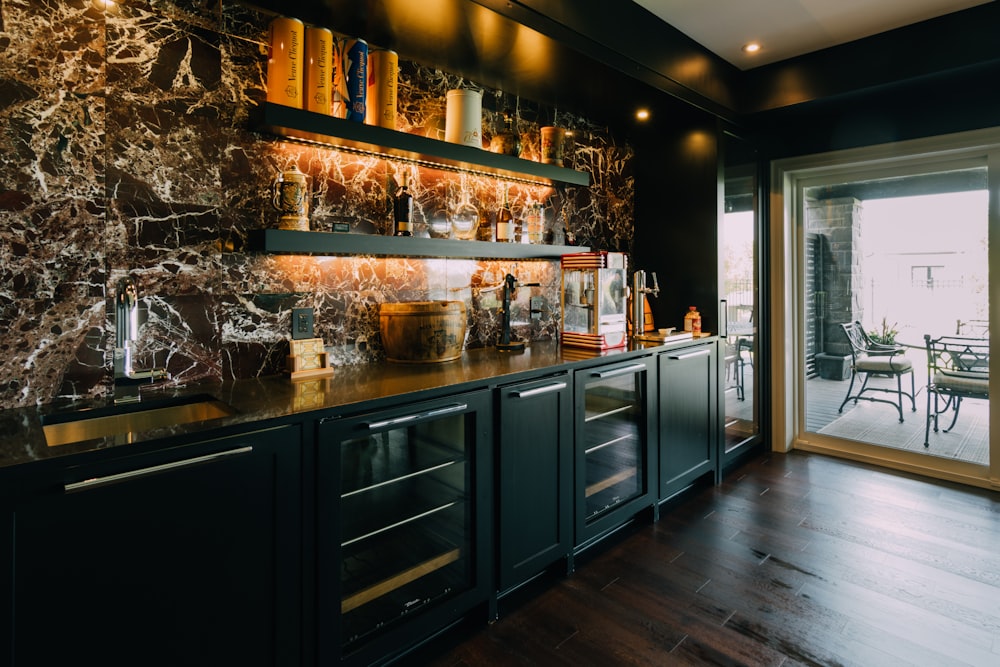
787, 360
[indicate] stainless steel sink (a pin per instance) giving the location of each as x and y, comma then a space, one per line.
123, 422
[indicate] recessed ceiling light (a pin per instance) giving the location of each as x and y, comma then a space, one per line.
642, 114
751, 47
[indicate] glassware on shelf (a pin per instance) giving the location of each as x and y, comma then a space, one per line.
534, 222
465, 218
439, 225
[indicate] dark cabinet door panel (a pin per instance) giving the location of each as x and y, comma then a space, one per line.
189, 557
689, 428
535, 453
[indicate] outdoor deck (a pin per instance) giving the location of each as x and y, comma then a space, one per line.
878, 423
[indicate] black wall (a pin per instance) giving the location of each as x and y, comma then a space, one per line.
968, 99
677, 200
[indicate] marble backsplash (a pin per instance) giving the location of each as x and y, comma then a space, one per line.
129, 147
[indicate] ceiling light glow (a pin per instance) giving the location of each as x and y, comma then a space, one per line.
642, 114
751, 47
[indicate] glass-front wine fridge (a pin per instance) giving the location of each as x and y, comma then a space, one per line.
614, 424
402, 521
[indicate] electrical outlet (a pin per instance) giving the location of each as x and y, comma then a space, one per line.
302, 323
537, 306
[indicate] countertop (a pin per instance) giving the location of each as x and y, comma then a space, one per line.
271, 401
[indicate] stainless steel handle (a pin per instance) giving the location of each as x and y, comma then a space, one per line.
618, 371
724, 318
689, 355
95, 482
527, 393
406, 419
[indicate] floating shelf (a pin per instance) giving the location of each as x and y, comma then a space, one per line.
313, 127
287, 241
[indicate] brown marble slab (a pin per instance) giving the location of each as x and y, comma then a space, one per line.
129, 148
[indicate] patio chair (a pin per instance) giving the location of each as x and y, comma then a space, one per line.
735, 368
871, 359
957, 368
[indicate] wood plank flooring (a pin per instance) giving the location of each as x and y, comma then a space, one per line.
795, 559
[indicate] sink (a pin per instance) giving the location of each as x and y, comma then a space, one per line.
122, 422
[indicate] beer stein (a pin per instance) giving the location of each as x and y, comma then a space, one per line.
290, 197
552, 145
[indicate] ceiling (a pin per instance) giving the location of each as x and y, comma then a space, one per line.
789, 28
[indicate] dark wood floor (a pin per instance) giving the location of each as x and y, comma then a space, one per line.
795, 559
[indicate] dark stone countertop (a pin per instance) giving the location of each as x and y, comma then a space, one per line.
271, 401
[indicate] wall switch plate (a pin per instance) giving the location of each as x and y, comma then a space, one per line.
302, 323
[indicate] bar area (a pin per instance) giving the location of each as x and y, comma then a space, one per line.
334, 327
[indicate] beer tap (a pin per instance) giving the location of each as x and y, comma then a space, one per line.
510, 286
639, 290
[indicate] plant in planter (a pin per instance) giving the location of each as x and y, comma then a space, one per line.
885, 334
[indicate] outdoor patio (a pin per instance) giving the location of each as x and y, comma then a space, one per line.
878, 423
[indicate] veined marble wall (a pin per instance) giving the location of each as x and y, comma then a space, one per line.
128, 147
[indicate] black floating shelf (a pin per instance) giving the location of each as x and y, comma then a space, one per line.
287, 241
309, 126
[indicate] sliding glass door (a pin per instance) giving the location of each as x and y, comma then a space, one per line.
892, 241
740, 267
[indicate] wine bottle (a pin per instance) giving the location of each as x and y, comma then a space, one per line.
403, 209
505, 222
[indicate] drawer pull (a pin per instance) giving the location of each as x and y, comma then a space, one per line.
406, 419
619, 371
527, 393
689, 355
95, 482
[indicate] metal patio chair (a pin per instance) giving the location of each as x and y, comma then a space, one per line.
872, 359
957, 368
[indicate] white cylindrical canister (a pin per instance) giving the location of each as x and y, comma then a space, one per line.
284, 62
383, 79
319, 70
464, 118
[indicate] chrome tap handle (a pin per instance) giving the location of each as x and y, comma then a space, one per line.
126, 312
656, 286
126, 378
638, 302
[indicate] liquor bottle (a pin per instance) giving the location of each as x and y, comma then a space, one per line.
692, 320
506, 141
403, 209
505, 222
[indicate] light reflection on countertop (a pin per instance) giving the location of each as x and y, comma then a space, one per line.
274, 400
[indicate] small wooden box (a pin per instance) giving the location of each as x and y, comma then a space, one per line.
308, 359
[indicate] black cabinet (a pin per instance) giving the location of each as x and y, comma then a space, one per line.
403, 520
615, 462
688, 421
6, 577
189, 556
535, 478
